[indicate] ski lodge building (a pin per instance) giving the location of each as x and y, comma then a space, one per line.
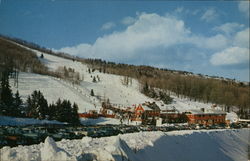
206, 116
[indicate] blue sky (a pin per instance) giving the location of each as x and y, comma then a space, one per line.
210, 37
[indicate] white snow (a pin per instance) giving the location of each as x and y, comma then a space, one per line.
110, 86
52, 89
50, 151
221, 145
232, 117
14, 121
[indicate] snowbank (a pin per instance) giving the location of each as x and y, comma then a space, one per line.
50, 151
225, 145
217, 145
232, 117
15, 121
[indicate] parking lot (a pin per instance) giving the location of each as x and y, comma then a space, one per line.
34, 134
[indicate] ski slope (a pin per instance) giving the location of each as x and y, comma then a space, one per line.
109, 87
214, 145
52, 89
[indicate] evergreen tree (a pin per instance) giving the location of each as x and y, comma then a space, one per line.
52, 112
108, 101
18, 105
63, 111
28, 107
145, 88
66, 111
6, 101
165, 98
98, 78
37, 105
75, 116
58, 109
94, 79
92, 92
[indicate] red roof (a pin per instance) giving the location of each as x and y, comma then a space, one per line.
139, 108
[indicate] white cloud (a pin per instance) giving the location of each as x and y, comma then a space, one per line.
242, 38
230, 56
108, 26
128, 20
244, 7
156, 39
209, 15
229, 28
238, 55
79, 50
149, 31
214, 42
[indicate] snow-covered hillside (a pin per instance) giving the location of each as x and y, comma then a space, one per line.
216, 145
109, 87
53, 88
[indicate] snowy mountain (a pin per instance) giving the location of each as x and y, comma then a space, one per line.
109, 87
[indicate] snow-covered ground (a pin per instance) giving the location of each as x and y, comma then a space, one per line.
216, 145
14, 121
232, 116
110, 87
52, 89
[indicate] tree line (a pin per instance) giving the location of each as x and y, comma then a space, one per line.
15, 58
156, 94
35, 46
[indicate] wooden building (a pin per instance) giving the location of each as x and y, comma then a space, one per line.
138, 111
90, 114
206, 117
172, 116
